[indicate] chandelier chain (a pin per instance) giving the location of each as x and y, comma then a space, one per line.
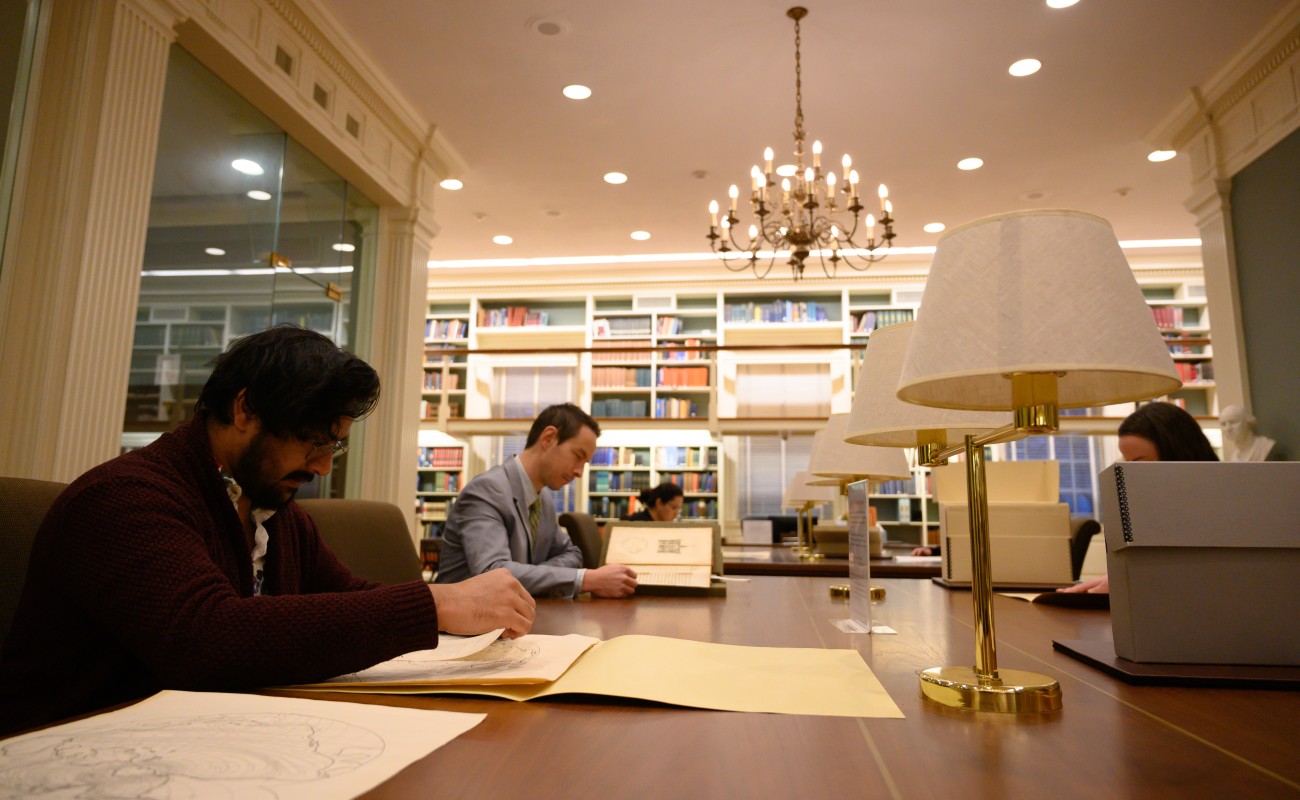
798, 88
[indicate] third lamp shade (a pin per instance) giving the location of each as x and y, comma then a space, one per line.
835, 461
799, 492
878, 417
1033, 292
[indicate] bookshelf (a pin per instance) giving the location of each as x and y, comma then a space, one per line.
632, 377
614, 478
440, 475
446, 375
695, 469
1182, 316
175, 344
905, 513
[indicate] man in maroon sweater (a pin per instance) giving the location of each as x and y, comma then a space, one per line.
187, 565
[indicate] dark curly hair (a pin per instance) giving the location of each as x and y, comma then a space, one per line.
567, 418
296, 382
1175, 433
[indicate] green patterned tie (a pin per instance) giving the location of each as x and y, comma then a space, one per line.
534, 516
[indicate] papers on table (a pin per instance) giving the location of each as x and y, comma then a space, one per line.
475, 660
204, 745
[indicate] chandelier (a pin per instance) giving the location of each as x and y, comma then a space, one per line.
807, 213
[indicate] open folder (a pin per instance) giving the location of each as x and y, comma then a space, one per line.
668, 557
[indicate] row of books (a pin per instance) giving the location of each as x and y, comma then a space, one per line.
907, 486
615, 377
1194, 371
676, 408
693, 482
604, 352
686, 355
621, 326
1172, 316
429, 410
608, 507
435, 380
434, 457
197, 335
435, 329
511, 317
777, 311
1174, 339
621, 457
617, 407
605, 481
688, 457
444, 482
700, 509
433, 509
682, 376
868, 321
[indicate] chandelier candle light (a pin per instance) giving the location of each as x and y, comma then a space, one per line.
810, 213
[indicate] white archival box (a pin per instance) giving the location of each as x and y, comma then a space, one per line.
1203, 558
1029, 527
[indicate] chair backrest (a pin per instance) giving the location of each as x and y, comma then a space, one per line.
371, 538
23, 504
585, 534
1082, 531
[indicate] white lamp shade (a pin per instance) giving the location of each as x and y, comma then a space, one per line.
879, 418
835, 461
1033, 292
799, 492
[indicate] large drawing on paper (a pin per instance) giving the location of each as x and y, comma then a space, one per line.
236, 755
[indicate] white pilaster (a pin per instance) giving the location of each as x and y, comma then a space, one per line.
72, 270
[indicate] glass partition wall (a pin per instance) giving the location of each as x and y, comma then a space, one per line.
247, 229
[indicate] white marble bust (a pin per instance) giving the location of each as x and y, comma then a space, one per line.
1240, 442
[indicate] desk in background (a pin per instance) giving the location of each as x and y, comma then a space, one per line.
781, 560
1110, 740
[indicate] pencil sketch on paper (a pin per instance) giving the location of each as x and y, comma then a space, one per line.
217, 756
498, 658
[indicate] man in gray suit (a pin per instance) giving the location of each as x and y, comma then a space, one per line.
503, 519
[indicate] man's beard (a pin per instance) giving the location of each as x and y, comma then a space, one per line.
260, 485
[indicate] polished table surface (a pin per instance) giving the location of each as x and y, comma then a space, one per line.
1109, 740
779, 559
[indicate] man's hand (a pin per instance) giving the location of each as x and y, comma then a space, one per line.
611, 580
483, 603
1095, 586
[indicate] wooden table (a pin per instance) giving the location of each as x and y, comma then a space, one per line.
1109, 740
784, 561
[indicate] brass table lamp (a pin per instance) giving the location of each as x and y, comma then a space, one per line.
1028, 313
801, 495
835, 462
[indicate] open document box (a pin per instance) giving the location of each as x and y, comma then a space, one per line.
669, 557
1202, 559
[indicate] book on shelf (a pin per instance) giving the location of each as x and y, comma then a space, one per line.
676, 408
435, 329
618, 407
868, 321
434, 457
687, 457
692, 482
777, 311
608, 507
511, 317
682, 377
620, 377
606, 351
621, 457
607, 481
440, 482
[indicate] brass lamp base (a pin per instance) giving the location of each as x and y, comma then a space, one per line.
1012, 692
810, 555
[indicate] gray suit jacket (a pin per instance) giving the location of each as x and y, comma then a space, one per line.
487, 527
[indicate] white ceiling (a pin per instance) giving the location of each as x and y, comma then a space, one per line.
908, 87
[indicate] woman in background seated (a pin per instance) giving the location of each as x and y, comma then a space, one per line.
1155, 432
661, 504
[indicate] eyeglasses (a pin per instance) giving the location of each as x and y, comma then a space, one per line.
333, 449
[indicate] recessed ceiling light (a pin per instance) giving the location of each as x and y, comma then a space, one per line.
451, 184
576, 91
344, 247
640, 236
502, 239
1060, 3
970, 163
258, 194
787, 170
1025, 66
1161, 155
933, 227
247, 167
214, 251
615, 178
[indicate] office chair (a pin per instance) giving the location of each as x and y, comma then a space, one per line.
371, 538
585, 534
23, 504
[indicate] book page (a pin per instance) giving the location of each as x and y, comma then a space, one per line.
658, 575
679, 546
